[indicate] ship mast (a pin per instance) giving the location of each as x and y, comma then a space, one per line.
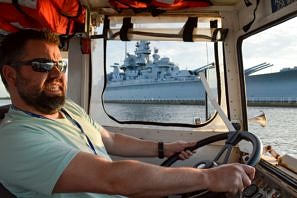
142, 53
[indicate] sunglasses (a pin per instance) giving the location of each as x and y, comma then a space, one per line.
44, 65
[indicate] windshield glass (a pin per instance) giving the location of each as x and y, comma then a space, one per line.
153, 67
269, 59
158, 81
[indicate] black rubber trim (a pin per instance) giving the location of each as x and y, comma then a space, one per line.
125, 28
278, 173
189, 27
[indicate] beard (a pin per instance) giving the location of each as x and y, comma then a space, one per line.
38, 98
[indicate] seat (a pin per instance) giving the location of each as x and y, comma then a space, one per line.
3, 191
3, 110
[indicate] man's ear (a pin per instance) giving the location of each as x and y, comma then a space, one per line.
9, 73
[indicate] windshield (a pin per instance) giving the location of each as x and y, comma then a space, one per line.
154, 76
158, 81
269, 59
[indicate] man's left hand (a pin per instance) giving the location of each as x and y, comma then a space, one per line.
176, 147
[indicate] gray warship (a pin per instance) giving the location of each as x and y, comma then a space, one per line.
146, 78
272, 89
151, 79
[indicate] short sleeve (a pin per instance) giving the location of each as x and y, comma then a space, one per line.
32, 159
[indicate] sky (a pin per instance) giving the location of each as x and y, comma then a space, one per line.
277, 46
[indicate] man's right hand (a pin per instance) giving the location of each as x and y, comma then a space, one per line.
231, 178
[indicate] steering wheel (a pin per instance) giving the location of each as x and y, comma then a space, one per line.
232, 139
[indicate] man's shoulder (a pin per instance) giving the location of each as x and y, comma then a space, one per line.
73, 107
14, 118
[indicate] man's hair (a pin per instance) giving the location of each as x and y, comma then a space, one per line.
13, 45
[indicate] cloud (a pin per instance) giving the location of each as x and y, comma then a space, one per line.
277, 45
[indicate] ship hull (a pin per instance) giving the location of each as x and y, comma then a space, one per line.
181, 92
273, 89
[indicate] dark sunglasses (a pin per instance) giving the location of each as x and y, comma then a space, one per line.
44, 65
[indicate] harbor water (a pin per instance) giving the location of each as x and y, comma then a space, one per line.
280, 131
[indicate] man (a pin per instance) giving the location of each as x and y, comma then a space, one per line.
50, 147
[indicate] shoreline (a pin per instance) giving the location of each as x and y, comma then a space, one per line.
202, 102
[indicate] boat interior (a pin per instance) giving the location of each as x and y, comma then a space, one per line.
222, 131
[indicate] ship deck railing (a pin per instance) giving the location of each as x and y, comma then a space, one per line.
272, 101
157, 101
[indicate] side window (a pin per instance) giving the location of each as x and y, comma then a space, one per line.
4, 96
158, 81
269, 59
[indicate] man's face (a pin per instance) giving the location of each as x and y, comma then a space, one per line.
45, 91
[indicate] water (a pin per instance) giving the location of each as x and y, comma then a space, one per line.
280, 131
281, 128
155, 112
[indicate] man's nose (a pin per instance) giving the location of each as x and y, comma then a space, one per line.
55, 72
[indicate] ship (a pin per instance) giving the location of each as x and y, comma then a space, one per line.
272, 89
146, 78
151, 79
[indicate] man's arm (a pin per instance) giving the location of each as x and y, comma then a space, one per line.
90, 173
123, 145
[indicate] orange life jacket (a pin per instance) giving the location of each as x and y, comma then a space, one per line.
139, 5
60, 16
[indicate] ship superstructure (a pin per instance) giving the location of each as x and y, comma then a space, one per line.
147, 78
139, 68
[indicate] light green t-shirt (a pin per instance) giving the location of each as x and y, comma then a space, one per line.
35, 151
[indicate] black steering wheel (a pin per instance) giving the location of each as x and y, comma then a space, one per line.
232, 139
